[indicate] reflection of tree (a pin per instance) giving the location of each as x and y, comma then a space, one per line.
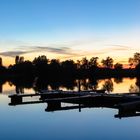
87, 84
84, 84
108, 85
69, 84
93, 84
21, 83
1, 88
118, 80
40, 84
134, 88
138, 82
19, 90
2, 82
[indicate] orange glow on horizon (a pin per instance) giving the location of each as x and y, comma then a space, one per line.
30, 56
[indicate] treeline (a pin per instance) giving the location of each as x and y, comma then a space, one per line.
54, 69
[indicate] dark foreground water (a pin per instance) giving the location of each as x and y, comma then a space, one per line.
31, 122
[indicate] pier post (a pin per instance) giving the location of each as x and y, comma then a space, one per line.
53, 106
15, 99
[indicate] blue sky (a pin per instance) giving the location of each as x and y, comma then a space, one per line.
78, 25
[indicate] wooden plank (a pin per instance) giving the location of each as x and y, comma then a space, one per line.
70, 98
129, 105
23, 95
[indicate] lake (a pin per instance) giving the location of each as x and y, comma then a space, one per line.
27, 122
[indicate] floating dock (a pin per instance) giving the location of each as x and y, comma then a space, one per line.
128, 104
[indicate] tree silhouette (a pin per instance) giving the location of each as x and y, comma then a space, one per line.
118, 66
19, 59
1, 62
16, 59
41, 65
108, 62
135, 60
93, 62
53, 69
68, 68
84, 63
40, 60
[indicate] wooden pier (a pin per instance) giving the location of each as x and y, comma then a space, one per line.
128, 104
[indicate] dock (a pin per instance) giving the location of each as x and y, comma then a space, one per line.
128, 104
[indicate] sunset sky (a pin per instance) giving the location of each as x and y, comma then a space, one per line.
69, 29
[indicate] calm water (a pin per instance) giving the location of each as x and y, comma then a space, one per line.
27, 122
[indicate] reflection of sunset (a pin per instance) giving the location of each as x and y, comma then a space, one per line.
119, 86
122, 87
7, 88
10, 89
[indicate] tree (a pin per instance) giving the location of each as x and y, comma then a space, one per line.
54, 68
78, 64
68, 64
41, 65
40, 60
94, 62
17, 60
85, 63
68, 68
135, 60
118, 66
1, 62
21, 59
108, 62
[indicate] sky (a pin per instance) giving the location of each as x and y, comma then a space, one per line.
69, 29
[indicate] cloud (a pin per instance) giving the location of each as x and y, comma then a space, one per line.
61, 50
12, 53
32, 49
119, 47
65, 49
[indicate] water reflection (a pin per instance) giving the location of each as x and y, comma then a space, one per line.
112, 85
108, 85
84, 125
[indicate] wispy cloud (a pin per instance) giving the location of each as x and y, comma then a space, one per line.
61, 50
12, 53
119, 47
67, 49
32, 49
